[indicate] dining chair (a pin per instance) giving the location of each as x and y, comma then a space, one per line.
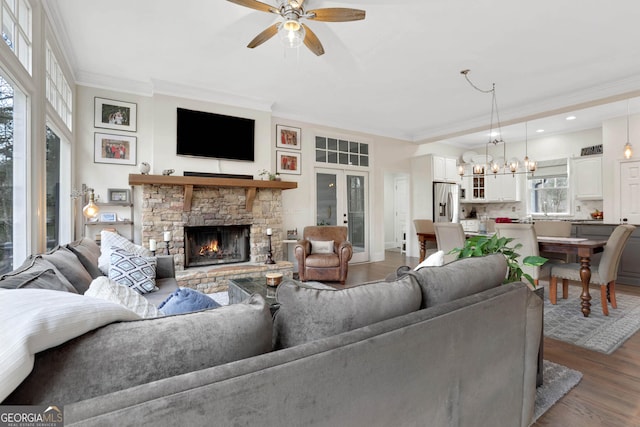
554, 229
449, 235
525, 235
604, 274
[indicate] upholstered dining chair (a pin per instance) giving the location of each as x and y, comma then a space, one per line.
324, 253
554, 229
525, 235
449, 235
604, 274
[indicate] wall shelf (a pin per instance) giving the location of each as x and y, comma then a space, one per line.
188, 182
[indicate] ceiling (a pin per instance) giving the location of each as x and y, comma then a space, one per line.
394, 74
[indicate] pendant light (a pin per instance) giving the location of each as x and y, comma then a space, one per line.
529, 164
628, 152
91, 209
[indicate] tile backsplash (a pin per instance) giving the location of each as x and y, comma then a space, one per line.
581, 209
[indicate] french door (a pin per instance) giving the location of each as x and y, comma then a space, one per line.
342, 199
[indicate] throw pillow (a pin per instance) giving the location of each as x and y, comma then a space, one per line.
42, 319
111, 240
88, 252
321, 247
186, 300
134, 271
308, 314
70, 266
106, 289
36, 273
433, 260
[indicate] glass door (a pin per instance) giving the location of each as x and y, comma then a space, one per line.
341, 199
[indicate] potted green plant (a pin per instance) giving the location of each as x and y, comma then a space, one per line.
266, 175
484, 245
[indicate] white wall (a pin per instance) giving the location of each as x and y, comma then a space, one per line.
156, 145
156, 135
386, 156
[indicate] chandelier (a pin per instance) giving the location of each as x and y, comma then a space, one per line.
490, 165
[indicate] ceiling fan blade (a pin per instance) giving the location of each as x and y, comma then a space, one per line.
263, 36
255, 4
312, 41
336, 14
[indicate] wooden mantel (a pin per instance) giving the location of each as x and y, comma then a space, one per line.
250, 185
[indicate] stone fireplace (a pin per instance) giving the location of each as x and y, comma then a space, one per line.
215, 245
179, 205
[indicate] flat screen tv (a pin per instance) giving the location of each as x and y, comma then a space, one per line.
204, 134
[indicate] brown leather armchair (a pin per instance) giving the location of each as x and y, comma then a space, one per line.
320, 260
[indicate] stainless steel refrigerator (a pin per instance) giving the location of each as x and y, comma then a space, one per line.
446, 202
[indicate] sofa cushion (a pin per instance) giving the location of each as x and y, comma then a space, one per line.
70, 266
125, 354
460, 278
36, 273
106, 289
136, 272
185, 300
42, 319
307, 314
110, 240
88, 252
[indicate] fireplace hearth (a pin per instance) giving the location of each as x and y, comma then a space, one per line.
212, 245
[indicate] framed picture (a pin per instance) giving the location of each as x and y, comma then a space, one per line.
288, 162
116, 195
288, 137
108, 217
114, 149
111, 114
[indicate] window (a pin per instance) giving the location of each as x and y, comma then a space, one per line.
16, 29
341, 152
13, 234
58, 89
548, 189
53, 189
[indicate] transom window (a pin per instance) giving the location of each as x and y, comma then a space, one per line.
16, 29
341, 152
58, 89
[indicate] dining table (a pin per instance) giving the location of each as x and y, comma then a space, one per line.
582, 247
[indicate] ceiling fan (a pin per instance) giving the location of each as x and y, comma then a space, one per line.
293, 32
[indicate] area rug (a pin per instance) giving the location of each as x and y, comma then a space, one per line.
558, 380
565, 322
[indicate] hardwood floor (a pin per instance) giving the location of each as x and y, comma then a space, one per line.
608, 394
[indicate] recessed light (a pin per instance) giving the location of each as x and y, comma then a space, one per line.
571, 118
540, 130
494, 133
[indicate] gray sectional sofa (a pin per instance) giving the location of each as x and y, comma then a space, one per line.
444, 346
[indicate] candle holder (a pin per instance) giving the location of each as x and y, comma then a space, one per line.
269, 253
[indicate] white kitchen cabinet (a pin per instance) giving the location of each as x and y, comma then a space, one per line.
503, 188
586, 173
444, 169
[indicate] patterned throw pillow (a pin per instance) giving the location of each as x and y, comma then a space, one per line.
134, 271
106, 289
110, 240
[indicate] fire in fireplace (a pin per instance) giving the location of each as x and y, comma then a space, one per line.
222, 244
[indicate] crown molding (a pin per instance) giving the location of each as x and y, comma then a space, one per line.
198, 93
564, 103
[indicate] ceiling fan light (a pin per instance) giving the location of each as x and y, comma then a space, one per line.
292, 33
